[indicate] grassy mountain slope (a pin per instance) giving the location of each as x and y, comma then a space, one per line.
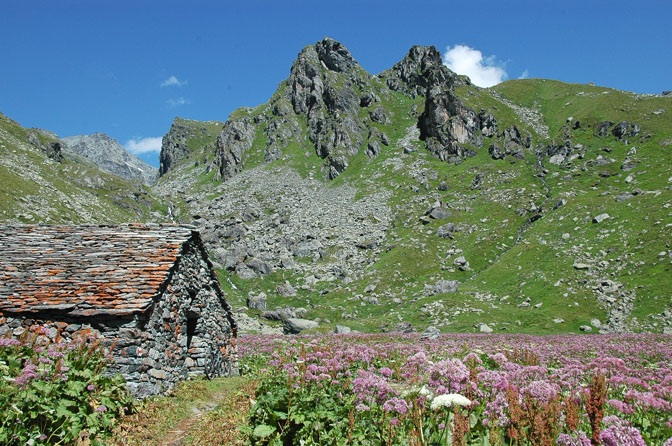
536, 261
36, 188
332, 201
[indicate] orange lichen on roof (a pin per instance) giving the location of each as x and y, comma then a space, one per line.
86, 270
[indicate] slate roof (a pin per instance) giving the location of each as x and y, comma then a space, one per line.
86, 270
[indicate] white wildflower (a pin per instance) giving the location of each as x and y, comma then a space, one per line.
424, 391
415, 392
450, 399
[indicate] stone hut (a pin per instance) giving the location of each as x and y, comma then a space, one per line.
149, 290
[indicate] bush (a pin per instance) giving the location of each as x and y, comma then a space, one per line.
55, 392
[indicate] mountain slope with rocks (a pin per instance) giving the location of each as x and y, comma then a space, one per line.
42, 182
413, 199
110, 156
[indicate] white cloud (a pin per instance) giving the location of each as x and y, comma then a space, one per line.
173, 81
143, 145
172, 103
484, 72
525, 74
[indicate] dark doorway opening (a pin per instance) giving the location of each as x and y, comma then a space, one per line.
192, 321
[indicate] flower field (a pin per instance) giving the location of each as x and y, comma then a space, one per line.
54, 391
461, 390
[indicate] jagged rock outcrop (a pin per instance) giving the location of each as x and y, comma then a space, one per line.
510, 143
110, 156
625, 129
322, 85
446, 124
488, 124
282, 129
332, 103
174, 145
234, 140
561, 144
42, 139
322, 89
410, 75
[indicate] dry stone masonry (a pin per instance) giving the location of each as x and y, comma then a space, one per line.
149, 291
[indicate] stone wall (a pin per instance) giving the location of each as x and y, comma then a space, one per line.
188, 331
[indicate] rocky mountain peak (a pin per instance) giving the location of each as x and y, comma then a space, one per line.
335, 55
342, 107
110, 156
419, 70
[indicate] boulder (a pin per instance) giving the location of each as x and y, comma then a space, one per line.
446, 231
484, 328
625, 129
378, 115
272, 315
557, 159
307, 248
445, 286
439, 213
581, 266
342, 329
257, 302
296, 325
462, 264
430, 332
402, 327
285, 290
244, 272
600, 218
259, 267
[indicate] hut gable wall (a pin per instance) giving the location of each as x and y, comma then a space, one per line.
187, 331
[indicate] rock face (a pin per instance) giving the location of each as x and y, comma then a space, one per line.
234, 140
322, 88
446, 124
175, 146
337, 102
53, 149
111, 157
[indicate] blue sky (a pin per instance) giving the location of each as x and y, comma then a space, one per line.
127, 68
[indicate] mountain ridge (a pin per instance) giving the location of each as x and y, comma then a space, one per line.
479, 132
110, 156
414, 198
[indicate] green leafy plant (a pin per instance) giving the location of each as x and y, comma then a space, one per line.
56, 392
